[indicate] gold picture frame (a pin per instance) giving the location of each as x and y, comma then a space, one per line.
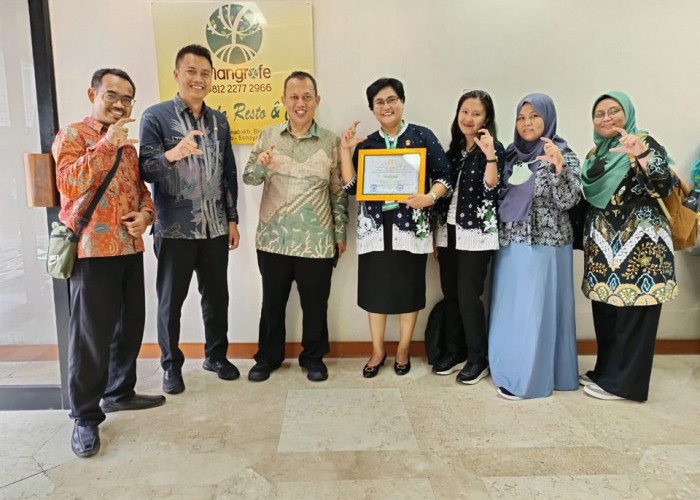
390, 174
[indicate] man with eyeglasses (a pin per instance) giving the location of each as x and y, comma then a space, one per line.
107, 300
186, 153
301, 233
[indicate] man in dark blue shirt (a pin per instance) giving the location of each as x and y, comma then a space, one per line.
186, 153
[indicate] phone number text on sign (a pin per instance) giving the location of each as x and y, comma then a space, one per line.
236, 88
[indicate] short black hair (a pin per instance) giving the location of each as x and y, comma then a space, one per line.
378, 85
194, 49
458, 141
301, 75
97, 76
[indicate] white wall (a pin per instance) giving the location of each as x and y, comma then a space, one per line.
572, 50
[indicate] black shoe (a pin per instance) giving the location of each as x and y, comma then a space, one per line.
223, 368
85, 440
317, 371
371, 371
505, 393
259, 373
447, 364
135, 402
173, 382
402, 369
473, 372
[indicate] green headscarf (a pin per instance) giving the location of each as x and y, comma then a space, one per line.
599, 190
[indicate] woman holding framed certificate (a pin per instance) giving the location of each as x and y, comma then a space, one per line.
395, 191
467, 235
532, 333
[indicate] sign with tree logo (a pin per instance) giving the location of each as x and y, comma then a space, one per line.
254, 46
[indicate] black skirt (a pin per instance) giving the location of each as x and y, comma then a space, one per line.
391, 281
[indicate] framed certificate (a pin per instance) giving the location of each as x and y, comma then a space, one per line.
390, 174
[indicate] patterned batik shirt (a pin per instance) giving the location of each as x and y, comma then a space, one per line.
411, 230
196, 196
303, 210
83, 159
548, 221
475, 204
627, 246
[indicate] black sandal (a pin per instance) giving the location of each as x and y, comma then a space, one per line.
401, 368
371, 371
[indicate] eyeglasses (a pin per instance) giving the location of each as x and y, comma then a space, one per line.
379, 103
599, 115
111, 97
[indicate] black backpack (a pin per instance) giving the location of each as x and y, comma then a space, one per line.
434, 333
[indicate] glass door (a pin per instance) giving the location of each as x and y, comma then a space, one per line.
28, 334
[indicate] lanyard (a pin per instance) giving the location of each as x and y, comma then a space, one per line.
393, 143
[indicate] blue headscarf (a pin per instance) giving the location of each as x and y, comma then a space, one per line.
515, 200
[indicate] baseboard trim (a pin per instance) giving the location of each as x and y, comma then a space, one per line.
243, 350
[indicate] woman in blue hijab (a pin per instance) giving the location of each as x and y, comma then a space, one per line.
532, 338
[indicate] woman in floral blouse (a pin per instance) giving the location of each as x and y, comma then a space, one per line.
467, 235
532, 338
392, 241
628, 250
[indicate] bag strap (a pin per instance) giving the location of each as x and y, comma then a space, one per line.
85, 219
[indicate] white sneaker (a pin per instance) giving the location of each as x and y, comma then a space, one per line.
585, 380
598, 392
505, 393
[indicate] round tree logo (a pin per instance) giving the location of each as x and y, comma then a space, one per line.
234, 33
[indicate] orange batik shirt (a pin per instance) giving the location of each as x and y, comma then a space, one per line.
83, 159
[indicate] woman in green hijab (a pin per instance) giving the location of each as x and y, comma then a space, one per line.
628, 251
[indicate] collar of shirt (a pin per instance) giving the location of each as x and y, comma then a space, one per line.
402, 128
180, 106
95, 125
313, 131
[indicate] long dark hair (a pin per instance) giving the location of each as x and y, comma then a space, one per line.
458, 141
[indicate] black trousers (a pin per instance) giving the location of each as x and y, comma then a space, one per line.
107, 314
462, 275
177, 260
313, 278
626, 337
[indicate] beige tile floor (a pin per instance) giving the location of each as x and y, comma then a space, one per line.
415, 437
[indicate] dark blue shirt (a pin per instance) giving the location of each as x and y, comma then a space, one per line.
195, 197
412, 231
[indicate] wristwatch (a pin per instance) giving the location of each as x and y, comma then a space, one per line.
434, 197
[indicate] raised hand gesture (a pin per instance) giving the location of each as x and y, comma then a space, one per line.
349, 138
186, 147
118, 134
552, 154
630, 144
266, 158
485, 143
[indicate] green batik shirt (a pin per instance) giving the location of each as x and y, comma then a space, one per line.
303, 210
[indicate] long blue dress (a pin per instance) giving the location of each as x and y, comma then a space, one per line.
532, 334
532, 339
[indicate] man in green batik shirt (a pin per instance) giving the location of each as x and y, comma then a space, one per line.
301, 233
